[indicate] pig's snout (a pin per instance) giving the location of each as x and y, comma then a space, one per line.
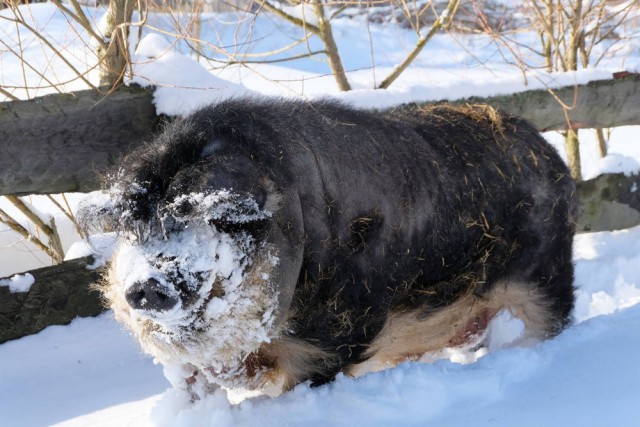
151, 295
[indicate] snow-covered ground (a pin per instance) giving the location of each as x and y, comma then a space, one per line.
92, 373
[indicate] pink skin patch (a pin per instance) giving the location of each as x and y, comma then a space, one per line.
473, 329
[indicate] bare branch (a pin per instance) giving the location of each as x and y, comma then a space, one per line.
282, 14
443, 21
80, 17
274, 61
325, 33
20, 19
8, 95
32, 68
68, 213
56, 252
15, 226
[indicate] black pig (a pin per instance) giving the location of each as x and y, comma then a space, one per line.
270, 242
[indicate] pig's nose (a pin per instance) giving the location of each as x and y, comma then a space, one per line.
151, 296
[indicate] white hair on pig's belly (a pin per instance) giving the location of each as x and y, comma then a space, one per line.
234, 310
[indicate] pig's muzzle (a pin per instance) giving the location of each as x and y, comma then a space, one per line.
151, 296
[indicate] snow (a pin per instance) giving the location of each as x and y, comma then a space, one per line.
303, 12
93, 372
222, 204
19, 282
616, 163
545, 385
204, 258
67, 371
101, 246
607, 290
231, 304
182, 85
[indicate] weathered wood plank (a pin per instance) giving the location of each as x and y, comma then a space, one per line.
609, 202
60, 294
598, 104
58, 143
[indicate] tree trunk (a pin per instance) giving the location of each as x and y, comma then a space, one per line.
114, 60
572, 145
602, 142
572, 142
325, 32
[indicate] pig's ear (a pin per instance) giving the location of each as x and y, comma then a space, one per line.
98, 213
115, 211
287, 242
272, 199
213, 148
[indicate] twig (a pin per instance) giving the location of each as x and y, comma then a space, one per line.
44, 40
67, 212
282, 14
80, 17
443, 21
8, 95
261, 61
33, 217
15, 226
49, 230
17, 54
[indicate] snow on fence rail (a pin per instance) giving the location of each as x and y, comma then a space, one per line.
60, 143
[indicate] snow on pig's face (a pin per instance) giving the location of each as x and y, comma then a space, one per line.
196, 288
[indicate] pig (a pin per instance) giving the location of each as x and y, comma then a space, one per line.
270, 242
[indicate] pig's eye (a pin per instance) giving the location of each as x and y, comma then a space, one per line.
254, 227
225, 226
183, 208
